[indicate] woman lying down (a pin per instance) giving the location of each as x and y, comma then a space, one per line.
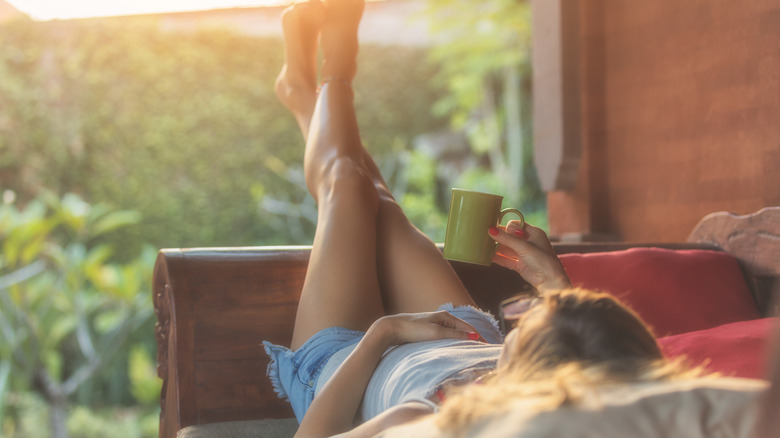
385, 332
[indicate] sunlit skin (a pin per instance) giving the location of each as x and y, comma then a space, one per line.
513, 341
363, 238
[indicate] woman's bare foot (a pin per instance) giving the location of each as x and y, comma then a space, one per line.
296, 85
339, 39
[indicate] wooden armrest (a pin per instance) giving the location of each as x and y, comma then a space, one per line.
214, 307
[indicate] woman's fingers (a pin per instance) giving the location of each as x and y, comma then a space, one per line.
446, 319
515, 227
528, 251
531, 234
524, 249
506, 252
509, 260
419, 327
437, 332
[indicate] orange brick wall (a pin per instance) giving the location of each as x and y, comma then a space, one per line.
681, 116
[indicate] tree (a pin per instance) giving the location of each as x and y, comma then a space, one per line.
484, 64
65, 309
183, 127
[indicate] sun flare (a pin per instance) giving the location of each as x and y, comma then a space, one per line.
52, 9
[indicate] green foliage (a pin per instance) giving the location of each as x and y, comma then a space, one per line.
145, 385
117, 423
418, 200
65, 307
485, 70
31, 420
485, 38
28, 417
184, 128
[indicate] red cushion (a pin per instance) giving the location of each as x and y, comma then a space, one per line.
674, 291
738, 349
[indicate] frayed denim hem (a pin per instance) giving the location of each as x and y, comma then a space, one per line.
273, 368
485, 323
294, 374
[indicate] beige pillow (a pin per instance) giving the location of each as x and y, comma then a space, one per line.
711, 408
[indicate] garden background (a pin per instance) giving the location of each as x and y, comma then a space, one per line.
119, 138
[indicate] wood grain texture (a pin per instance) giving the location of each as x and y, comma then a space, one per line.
214, 308
754, 239
681, 102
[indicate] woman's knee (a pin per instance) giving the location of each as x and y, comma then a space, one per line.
346, 178
389, 207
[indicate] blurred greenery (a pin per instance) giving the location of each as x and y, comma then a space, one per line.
66, 309
486, 72
84, 421
154, 121
118, 138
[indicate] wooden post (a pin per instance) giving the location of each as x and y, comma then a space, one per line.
556, 89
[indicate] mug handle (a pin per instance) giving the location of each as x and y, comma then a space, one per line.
511, 210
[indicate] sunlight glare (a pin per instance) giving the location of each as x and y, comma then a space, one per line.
51, 9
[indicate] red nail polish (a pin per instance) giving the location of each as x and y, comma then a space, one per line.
493, 231
521, 234
473, 336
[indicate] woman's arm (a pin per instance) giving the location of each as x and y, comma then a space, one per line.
335, 408
394, 416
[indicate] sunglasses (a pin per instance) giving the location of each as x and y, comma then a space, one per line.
512, 309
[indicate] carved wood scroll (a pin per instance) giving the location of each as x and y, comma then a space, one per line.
162, 329
754, 239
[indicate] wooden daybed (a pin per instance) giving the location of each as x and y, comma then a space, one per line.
214, 306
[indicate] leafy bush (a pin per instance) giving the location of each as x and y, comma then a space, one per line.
66, 310
486, 72
114, 423
184, 128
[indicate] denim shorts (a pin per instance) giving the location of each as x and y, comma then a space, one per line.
294, 374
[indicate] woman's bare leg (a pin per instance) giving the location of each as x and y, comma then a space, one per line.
296, 85
341, 286
413, 274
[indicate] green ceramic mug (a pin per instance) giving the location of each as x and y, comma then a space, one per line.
471, 215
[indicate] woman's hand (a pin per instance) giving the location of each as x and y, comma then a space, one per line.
528, 251
403, 328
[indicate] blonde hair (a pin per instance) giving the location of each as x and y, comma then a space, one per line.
573, 341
